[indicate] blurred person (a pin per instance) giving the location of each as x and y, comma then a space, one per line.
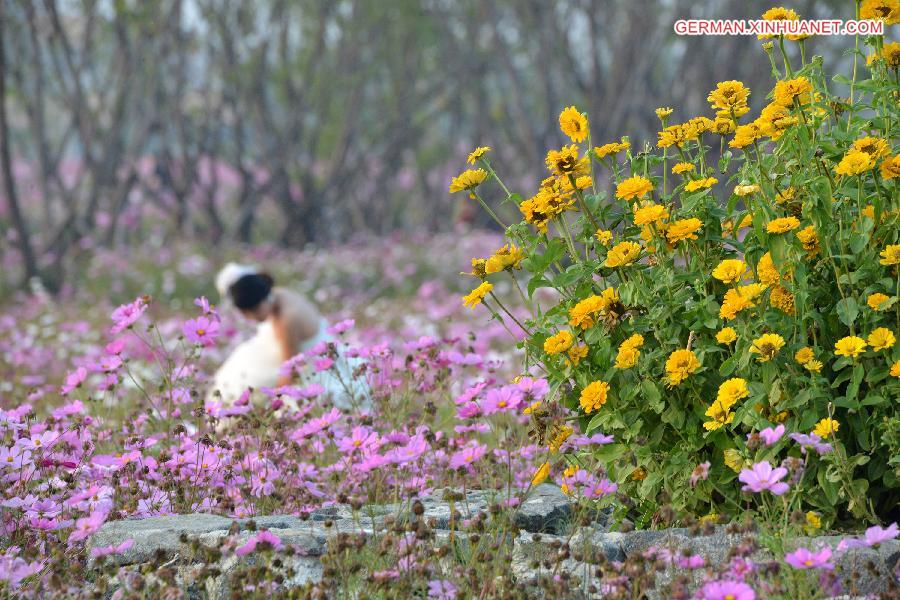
288, 324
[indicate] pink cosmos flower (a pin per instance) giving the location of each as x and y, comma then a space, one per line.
201, 330
763, 477
465, 457
770, 436
604, 487
266, 539
341, 326
695, 561
811, 441
441, 589
126, 315
873, 536
203, 304
803, 558
85, 526
108, 550
73, 380
505, 399
727, 590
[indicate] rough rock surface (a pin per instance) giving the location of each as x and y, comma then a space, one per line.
544, 521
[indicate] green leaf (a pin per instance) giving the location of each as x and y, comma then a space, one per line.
847, 311
651, 395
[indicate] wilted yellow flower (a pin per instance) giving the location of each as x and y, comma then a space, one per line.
467, 180
785, 195
854, 163
804, 355
611, 148
813, 366
604, 236
783, 225
890, 167
810, 240
650, 214
560, 342
507, 257
477, 153
577, 353
746, 190
726, 335
541, 474
813, 520
593, 396
679, 365
881, 10
633, 188
873, 146
566, 161
683, 229
700, 184
850, 346
890, 255
730, 270
785, 91
876, 301
662, 113
826, 427
562, 434
573, 124
478, 268
682, 167
622, 254
782, 299
584, 313
767, 346
881, 339
733, 460
477, 295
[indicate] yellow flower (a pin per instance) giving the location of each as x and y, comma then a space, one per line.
638, 474
604, 236
662, 113
577, 353
584, 313
881, 339
627, 357
726, 335
633, 188
725, 125
561, 436
746, 190
782, 299
810, 240
560, 342
650, 214
873, 146
854, 163
745, 135
826, 427
733, 460
719, 415
573, 124
682, 167
785, 91
895, 369
477, 153
565, 161
804, 355
593, 396
467, 180
890, 255
890, 167
850, 346
882, 10
730, 270
767, 346
785, 195
679, 365
478, 268
813, 520
683, 229
728, 96
700, 184
611, 148
781, 14
766, 271
730, 391
541, 475
733, 303
814, 366
876, 301
477, 295
584, 182
622, 254
507, 257
783, 225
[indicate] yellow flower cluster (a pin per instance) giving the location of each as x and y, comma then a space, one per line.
586, 312
680, 365
720, 413
593, 396
629, 351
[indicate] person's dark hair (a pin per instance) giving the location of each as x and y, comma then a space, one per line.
250, 290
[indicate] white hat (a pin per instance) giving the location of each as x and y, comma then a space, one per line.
230, 274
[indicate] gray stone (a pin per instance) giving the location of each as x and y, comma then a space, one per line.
546, 509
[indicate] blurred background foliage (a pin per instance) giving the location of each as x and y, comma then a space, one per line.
298, 122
